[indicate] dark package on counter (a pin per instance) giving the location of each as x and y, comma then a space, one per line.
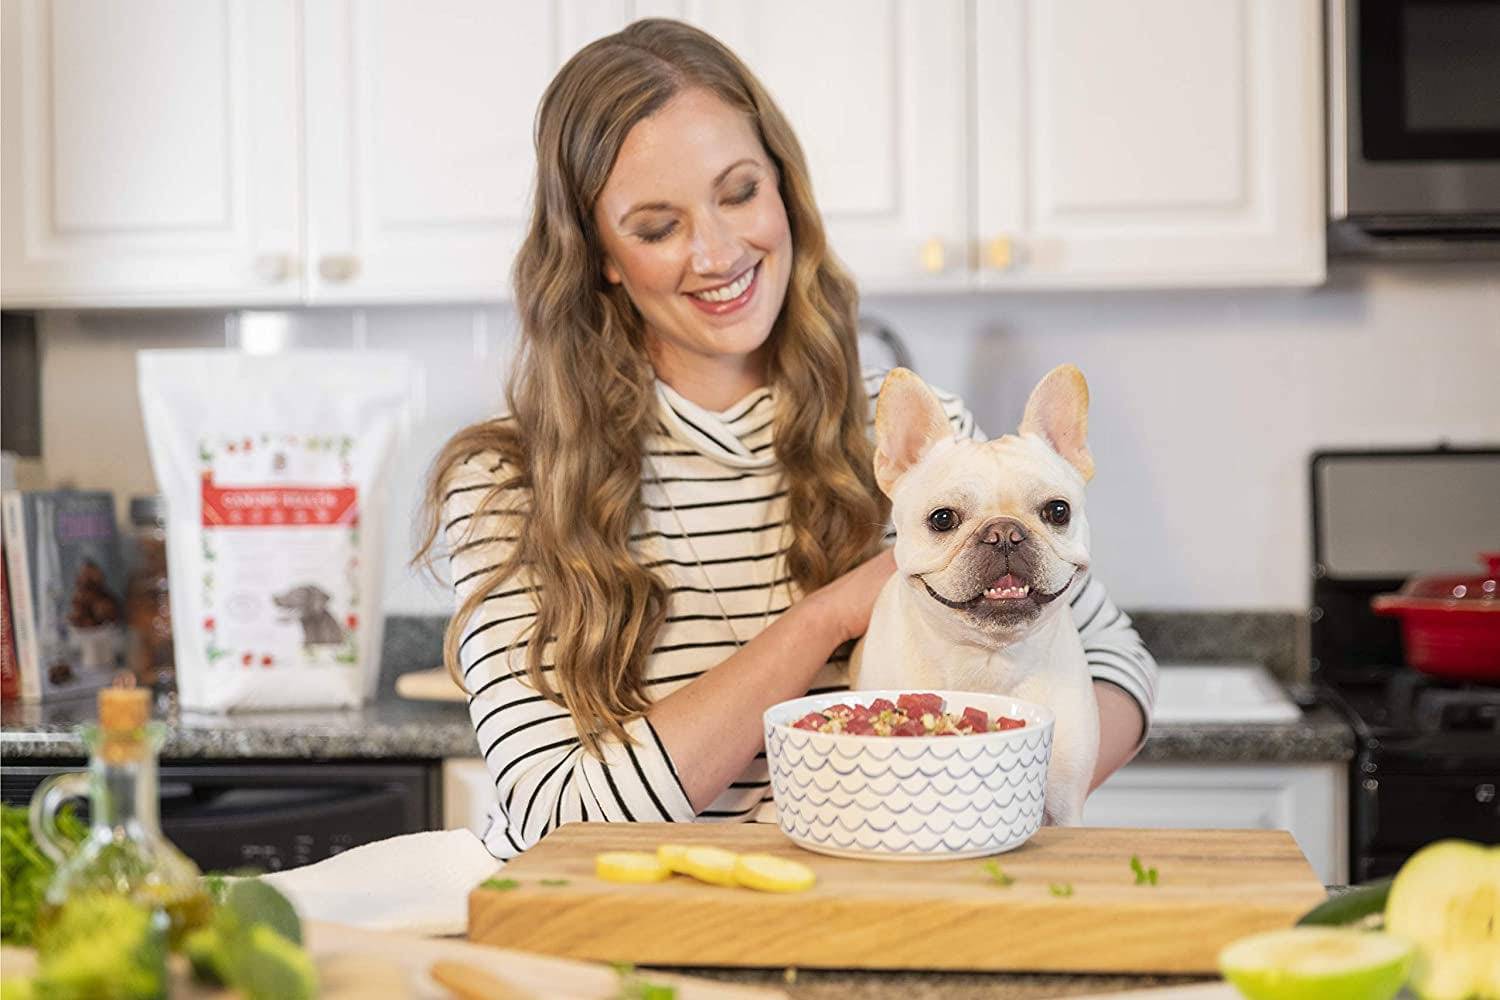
66, 587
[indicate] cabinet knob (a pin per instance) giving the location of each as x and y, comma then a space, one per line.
932, 256
338, 267
273, 268
1000, 253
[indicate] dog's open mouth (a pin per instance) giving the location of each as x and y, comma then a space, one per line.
1009, 591
1007, 588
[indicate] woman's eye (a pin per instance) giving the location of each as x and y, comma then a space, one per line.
657, 235
744, 194
943, 519
1057, 512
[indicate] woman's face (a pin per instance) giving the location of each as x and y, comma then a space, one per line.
693, 227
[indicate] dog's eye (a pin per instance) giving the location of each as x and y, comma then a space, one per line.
1057, 512
943, 519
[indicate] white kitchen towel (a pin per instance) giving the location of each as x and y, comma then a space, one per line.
417, 883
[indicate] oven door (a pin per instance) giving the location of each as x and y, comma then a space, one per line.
1414, 111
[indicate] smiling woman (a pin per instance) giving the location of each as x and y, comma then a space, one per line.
677, 524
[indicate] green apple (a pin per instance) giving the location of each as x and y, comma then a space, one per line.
1317, 963
1446, 899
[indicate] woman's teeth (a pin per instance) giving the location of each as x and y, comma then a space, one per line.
730, 291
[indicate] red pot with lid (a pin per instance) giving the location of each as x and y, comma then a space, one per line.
1450, 625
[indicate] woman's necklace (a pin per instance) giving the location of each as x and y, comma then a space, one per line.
771, 588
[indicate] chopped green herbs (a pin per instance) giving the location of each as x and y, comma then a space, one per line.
501, 884
552, 882
996, 874
1143, 875
1061, 888
633, 987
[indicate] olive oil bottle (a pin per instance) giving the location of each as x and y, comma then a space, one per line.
125, 852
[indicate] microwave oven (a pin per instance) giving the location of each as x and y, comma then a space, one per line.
1414, 127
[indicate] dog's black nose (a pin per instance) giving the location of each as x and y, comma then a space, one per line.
1003, 532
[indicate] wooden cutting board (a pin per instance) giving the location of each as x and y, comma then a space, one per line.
1214, 886
429, 685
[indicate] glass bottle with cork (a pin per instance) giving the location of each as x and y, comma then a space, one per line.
125, 852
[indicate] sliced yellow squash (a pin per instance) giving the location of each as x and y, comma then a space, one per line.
674, 856
713, 865
630, 866
769, 873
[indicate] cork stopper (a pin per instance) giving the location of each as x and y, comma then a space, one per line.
124, 709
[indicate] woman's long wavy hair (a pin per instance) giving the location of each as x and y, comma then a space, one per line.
582, 396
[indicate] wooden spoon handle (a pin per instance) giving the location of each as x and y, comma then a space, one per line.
469, 982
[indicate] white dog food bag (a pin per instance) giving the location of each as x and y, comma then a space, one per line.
274, 470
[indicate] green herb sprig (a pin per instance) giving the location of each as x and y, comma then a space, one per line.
1143, 875
1061, 888
633, 987
501, 884
996, 874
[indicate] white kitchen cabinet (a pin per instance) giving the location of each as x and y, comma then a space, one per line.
150, 152
174, 152
876, 92
1310, 800
1149, 143
419, 144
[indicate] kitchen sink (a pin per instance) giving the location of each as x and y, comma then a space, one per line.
1220, 692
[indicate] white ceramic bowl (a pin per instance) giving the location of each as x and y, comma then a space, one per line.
909, 797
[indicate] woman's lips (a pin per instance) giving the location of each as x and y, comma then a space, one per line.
734, 304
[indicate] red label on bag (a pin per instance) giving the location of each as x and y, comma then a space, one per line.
278, 506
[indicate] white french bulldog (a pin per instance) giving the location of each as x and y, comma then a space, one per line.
989, 538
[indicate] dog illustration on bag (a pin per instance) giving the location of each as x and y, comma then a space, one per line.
310, 604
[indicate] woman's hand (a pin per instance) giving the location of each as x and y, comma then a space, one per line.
846, 603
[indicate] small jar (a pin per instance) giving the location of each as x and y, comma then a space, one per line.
148, 609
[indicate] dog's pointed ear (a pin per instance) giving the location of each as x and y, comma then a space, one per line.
1058, 413
909, 420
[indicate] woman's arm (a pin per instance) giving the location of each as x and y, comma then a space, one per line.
712, 726
1124, 676
1122, 730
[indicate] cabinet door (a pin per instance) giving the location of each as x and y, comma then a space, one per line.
1149, 143
150, 152
875, 90
1310, 800
419, 144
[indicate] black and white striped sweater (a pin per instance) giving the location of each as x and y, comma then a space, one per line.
720, 473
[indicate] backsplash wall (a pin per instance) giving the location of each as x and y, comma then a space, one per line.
1205, 405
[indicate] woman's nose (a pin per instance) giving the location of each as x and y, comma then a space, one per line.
715, 248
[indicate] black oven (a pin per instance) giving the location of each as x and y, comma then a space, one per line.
1414, 126
1427, 756
269, 815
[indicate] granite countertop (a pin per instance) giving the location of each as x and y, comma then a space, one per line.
391, 727
394, 728
388, 728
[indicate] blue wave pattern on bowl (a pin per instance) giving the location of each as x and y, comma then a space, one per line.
940, 797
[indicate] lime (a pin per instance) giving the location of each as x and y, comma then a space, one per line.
1317, 963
